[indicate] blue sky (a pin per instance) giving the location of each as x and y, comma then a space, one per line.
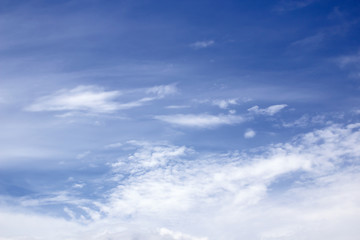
179, 120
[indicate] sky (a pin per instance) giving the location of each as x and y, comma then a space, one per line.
179, 120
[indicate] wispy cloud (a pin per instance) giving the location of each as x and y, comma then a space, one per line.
94, 99
349, 60
270, 111
201, 120
81, 98
82, 155
177, 106
214, 168
310, 42
202, 44
114, 145
350, 63
290, 5
163, 90
306, 120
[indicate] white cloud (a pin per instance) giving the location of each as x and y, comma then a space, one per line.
81, 98
150, 155
306, 120
78, 185
224, 196
30, 226
201, 120
70, 213
114, 145
178, 235
223, 193
225, 103
163, 90
12, 155
177, 106
202, 44
272, 110
249, 133
94, 99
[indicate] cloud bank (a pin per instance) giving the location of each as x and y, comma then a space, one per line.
165, 191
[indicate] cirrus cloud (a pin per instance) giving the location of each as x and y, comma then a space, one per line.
94, 99
201, 120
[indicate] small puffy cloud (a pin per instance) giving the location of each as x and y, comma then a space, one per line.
249, 133
224, 103
202, 44
270, 111
201, 120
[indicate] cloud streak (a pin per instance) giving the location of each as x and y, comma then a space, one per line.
201, 120
94, 99
81, 98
